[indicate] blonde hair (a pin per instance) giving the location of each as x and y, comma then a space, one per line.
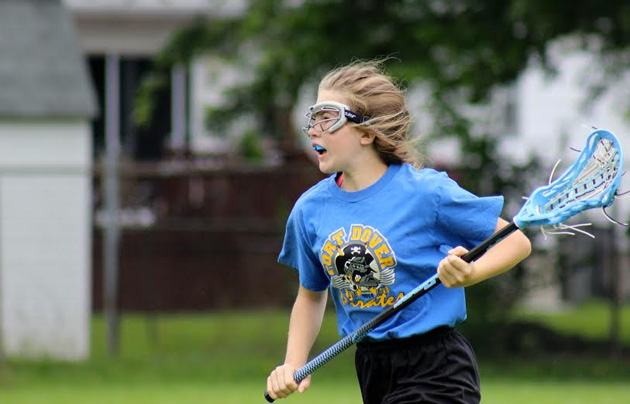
371, 92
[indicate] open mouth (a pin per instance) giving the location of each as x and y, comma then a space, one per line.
320, 150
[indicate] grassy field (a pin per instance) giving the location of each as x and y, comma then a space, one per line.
589, 320
513, 392
225, 358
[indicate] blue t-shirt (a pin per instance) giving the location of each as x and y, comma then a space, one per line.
373, 246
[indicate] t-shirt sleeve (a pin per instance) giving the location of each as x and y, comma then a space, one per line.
297, 253
464, 218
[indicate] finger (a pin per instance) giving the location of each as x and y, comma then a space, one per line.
458, 251
289, 381
456, 264
279, 386
444, 273
276, 386
270, 388
284, 384
304, 384
459, 270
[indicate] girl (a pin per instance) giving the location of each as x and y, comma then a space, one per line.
376, 228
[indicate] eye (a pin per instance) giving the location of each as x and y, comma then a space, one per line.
320, 116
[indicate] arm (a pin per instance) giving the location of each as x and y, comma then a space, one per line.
306, 319
454, 272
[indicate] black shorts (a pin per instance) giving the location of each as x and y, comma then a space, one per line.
437, 367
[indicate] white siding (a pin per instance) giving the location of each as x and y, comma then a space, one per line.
45, 239
140, 27
554, 113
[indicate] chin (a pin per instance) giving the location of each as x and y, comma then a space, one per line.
327, 170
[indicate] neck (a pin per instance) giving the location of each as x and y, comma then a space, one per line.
369, 174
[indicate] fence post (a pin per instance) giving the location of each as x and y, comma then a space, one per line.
112, 202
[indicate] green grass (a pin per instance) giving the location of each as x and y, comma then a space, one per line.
590, 320
330, 392
543, 392
225, 358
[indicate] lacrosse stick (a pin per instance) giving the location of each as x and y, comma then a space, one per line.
590, 182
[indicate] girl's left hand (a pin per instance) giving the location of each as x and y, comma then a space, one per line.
455, 272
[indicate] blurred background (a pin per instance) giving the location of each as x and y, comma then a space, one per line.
151, 151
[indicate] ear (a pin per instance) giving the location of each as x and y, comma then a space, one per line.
367, 137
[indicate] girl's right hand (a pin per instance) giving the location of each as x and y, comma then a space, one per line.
280, 383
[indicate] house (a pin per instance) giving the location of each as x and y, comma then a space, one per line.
46, 108
120, 38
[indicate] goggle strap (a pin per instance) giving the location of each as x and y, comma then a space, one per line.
354, 117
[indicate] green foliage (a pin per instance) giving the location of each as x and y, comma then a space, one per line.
250, 147
463, 50
144, 100
468, 45
591, 319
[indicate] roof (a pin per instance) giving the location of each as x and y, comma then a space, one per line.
42, 70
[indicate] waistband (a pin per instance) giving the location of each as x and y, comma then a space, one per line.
415, 340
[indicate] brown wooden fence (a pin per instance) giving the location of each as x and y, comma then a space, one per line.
215, 240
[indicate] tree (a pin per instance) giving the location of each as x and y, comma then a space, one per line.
462, 49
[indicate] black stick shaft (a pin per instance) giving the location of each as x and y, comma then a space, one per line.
405, 301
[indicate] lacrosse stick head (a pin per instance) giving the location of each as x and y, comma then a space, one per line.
590, 182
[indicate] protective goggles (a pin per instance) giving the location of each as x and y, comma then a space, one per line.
330, 116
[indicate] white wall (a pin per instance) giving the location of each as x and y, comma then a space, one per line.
140, 27
45, 239
554, 114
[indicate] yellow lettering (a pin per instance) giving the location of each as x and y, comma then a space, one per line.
349, 296
380, 301
376, 240
366, 235
329, 248
356, 231
338, 237
382, 250
386, 262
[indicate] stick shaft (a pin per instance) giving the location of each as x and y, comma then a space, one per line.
419, 291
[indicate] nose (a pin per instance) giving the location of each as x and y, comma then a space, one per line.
311, 132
